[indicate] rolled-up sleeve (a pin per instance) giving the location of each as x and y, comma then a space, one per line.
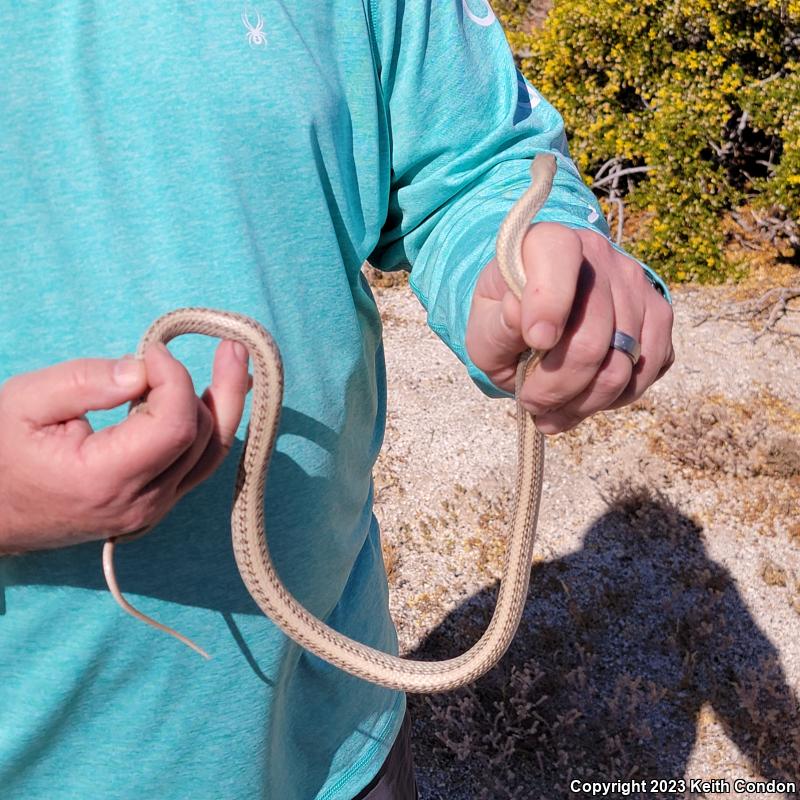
464, 126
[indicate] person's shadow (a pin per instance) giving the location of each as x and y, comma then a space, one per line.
626, 648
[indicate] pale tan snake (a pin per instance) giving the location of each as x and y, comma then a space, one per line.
247, 521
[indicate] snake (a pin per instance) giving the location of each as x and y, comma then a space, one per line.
248, 533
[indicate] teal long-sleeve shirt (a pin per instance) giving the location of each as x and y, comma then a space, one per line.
244, 157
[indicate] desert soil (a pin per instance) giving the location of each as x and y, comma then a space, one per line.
660, 639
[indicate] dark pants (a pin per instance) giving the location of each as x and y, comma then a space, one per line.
395, 779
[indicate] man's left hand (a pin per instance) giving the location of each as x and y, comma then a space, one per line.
579, 289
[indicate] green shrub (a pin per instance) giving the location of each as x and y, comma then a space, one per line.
703, 93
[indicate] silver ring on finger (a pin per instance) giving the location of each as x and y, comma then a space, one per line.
627, 344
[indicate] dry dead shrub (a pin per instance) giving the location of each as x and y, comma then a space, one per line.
772, 574
621, 647
748, 451
391, 559
760, 704
738, 440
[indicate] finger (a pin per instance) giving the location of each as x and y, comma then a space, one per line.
670, 360
552, 255
657, 355
68, 390
613, 375
573, 363
173, 477
494, 341
619, 383
225, 400
608, 384
145, 444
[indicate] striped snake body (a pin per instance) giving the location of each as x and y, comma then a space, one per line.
247, 520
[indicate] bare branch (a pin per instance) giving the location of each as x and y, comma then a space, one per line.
773, 303
612, 162
620, 221
720, 151
765, 81
739, 219
742, 122
597, 184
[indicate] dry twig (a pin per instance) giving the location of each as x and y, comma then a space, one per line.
773, 303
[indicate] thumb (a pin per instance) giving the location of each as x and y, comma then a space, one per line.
68, 390
494, 338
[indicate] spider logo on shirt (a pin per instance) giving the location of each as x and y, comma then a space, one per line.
255, 33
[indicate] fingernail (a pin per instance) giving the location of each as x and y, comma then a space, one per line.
542, 335
128, 371
240, 351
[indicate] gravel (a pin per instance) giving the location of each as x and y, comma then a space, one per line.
660, 638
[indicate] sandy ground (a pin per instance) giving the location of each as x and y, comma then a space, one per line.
660, 640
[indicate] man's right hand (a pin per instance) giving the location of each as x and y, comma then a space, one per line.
62, 483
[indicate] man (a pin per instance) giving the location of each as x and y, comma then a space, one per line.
154, 156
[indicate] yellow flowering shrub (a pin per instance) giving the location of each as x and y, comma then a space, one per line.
704, 93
